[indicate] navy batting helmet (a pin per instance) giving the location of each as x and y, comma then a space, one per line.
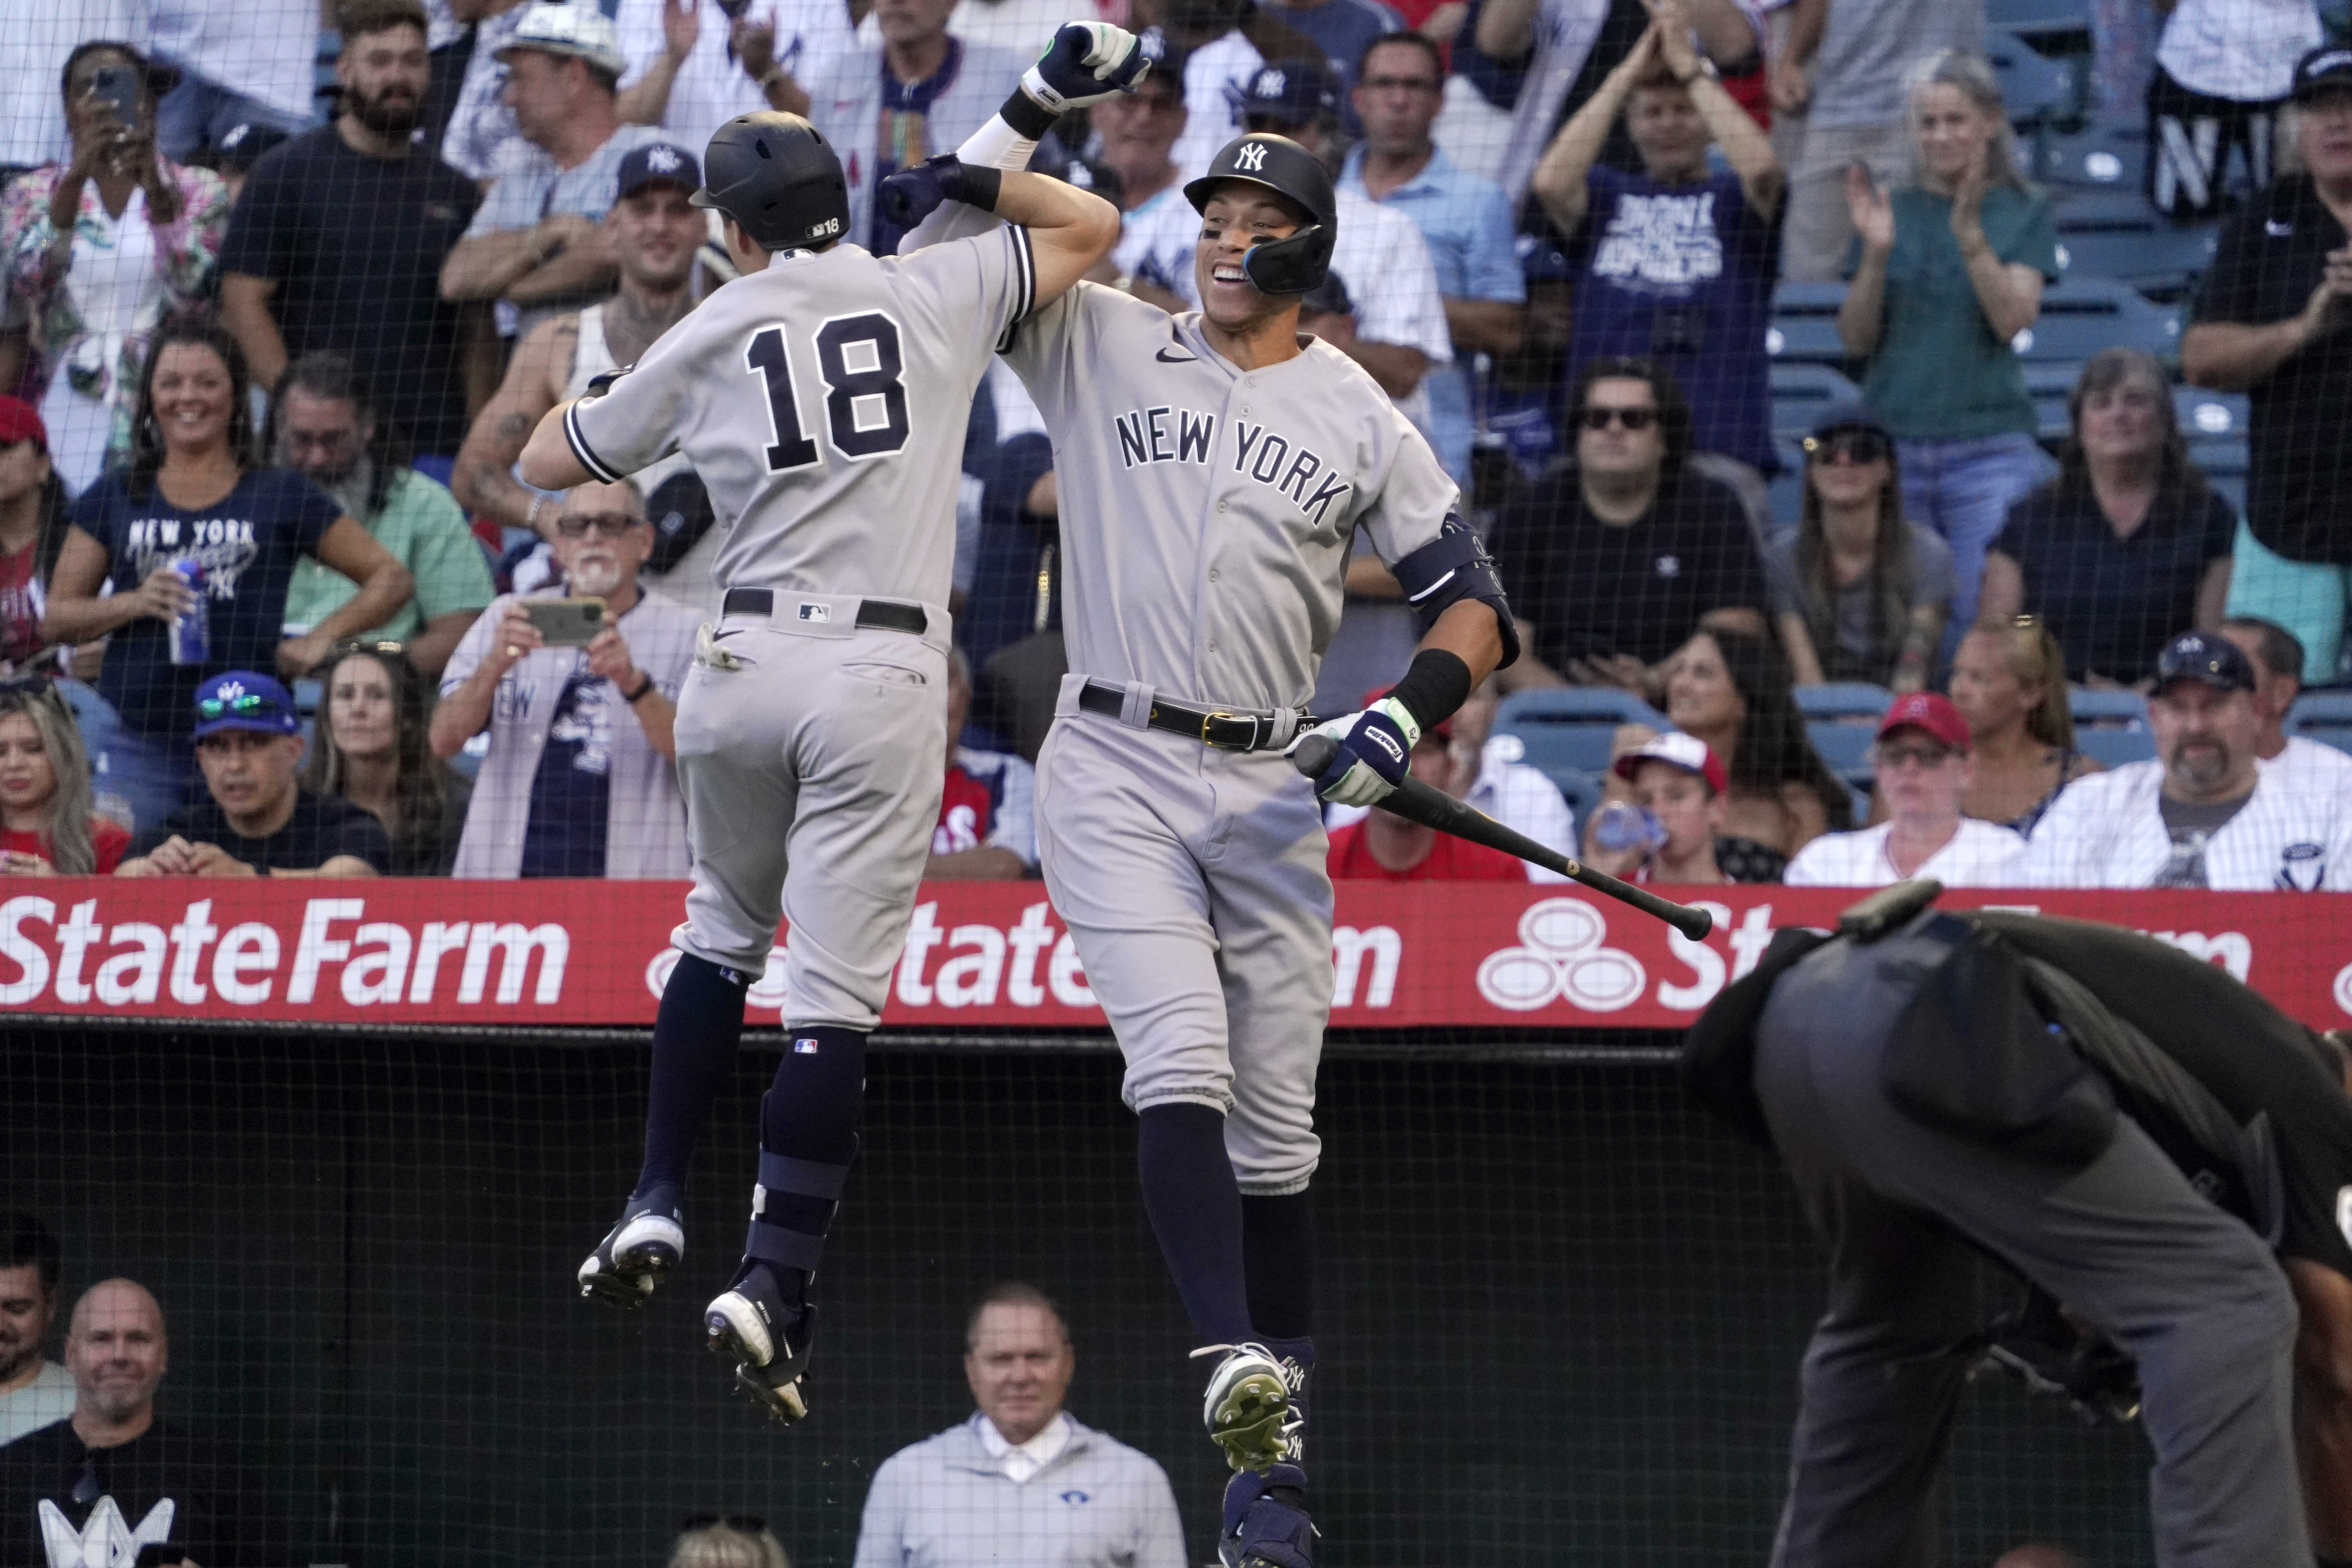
1295, 264
777, 176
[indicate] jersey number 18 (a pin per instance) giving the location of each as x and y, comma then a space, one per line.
864, 402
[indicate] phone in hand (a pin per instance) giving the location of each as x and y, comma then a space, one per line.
116, 87
566, 623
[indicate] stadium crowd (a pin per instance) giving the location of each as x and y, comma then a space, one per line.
1907, 595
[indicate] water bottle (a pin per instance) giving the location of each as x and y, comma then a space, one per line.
1621, 826
192, 628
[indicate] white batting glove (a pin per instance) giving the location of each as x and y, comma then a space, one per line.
1087, 63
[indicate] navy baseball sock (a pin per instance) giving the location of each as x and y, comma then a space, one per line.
695, 1036
1279, 1262
1196, 1212
808, 1136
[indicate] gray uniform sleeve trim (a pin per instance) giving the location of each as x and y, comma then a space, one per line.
1025, 284
579, 445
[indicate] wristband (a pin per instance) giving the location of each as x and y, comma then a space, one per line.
645, 684
1438, 683
979, 186
1026, 116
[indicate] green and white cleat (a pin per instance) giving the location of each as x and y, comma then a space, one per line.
1249, 1407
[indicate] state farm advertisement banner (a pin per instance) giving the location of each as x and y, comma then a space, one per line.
541, 954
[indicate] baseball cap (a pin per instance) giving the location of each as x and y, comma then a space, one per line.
1687, 752
1168, 58
555, 28
1541, 260
1926, 711
1443, 728
657, 162
2215, 660
1847, 415
1290, 92
242, 145
1329, 298
2328, 69
20, 421
245, 699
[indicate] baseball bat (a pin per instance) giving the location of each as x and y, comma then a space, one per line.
1432, 807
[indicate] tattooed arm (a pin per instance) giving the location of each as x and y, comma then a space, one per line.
484, 480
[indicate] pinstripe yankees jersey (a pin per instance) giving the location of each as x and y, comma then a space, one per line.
823, 401
2107, 831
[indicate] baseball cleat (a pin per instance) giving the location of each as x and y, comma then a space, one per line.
1247, 1406
1265, 1523
637, 1253
771, 1342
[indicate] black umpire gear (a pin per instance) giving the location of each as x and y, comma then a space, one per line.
778, 177
1297, 264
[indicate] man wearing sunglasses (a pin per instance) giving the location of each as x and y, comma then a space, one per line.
1924, 763
579, 780
257, 821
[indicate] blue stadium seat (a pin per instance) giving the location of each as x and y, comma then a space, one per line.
1570, 728
1842, 721
2032, 87
2035, 19
2080, 315
2114, 748
1804, 323
2115, 234
2206, 415
1845, 744
2222, 459
2316, 711
2108, 154
1582, 791
2117, 708
2111, 727
1802, 391
1854, 700
1787, 490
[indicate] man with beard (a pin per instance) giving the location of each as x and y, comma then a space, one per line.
2208, 813
324, 428
34, 1391
339, 240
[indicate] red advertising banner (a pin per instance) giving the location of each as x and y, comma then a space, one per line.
547, 954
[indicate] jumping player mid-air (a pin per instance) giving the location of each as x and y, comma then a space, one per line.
1215, 469
813, 395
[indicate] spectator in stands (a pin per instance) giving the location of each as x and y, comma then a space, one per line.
252, 62
340, 241
988, 1488
194, 491
1221, 46
33, 36
2128, 543
693, 68
33, 1390
1615, 561
727, 1540
324, 428
2224, 71
372, 750
1731, 690
1949, 271
1839, 98
2205, 812
479, 137
1463, 221
1518, 797
2009, 682
1385, 847
1343, 30
32, 531
1856, 593
2277, 658
1677, 264
1677, 783
243, 146
655, 233
46, 826
1138, 132
987, 829
2269, 321
537, 242
101, 251
1924, 764
917, 92
258, 820
579, 780
115, 1466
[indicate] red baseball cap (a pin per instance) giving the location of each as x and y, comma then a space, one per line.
1925, 710
20, 421
1443, 727
1675, 748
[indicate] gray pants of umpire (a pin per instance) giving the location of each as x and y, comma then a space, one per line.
2127, 1243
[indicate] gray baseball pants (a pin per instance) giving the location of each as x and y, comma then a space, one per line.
2125, 1242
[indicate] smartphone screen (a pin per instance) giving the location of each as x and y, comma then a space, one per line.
116, 87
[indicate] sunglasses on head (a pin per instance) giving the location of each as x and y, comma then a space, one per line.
611, 525
248, 702
1596, 418
30, 683
382, 647
1854, 445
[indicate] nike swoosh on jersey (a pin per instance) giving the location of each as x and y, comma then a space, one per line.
1164, 357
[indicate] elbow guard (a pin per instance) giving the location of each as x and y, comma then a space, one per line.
1453, 567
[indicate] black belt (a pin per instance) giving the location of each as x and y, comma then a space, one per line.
1214, 727
881, 615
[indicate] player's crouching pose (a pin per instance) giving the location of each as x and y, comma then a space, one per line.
1213, 469
813, 395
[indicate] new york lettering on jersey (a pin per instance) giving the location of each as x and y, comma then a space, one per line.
1147, 436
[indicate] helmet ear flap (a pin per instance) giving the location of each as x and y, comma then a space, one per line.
1293, 264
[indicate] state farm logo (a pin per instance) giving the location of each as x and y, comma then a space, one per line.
1562, 954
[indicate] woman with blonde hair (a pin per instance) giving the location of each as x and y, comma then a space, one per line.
47, 827
727, 1540
2009, 681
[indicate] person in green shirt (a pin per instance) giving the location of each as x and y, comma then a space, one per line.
322, 428
1944, 273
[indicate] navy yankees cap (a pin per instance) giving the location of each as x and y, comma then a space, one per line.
245, 699
2198, 656
657, 162
2328, 69
1290, 92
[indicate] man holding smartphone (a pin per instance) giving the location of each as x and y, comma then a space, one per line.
579, 701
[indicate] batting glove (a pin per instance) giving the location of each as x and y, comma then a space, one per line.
1375, 751
1088, 62
910, 195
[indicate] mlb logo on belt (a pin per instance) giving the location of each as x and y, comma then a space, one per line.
817, 612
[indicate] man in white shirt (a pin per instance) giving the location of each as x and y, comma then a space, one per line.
1925, 761
35, 1392
2277, 655
2208, 813
1020, 1472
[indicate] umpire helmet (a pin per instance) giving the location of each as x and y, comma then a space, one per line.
1295, 265
777, 176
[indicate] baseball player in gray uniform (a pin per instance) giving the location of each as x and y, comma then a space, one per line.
813, 395
1215, 469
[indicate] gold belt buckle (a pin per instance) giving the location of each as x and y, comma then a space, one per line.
1210, 717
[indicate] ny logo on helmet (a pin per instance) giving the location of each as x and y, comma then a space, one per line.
1252, 157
